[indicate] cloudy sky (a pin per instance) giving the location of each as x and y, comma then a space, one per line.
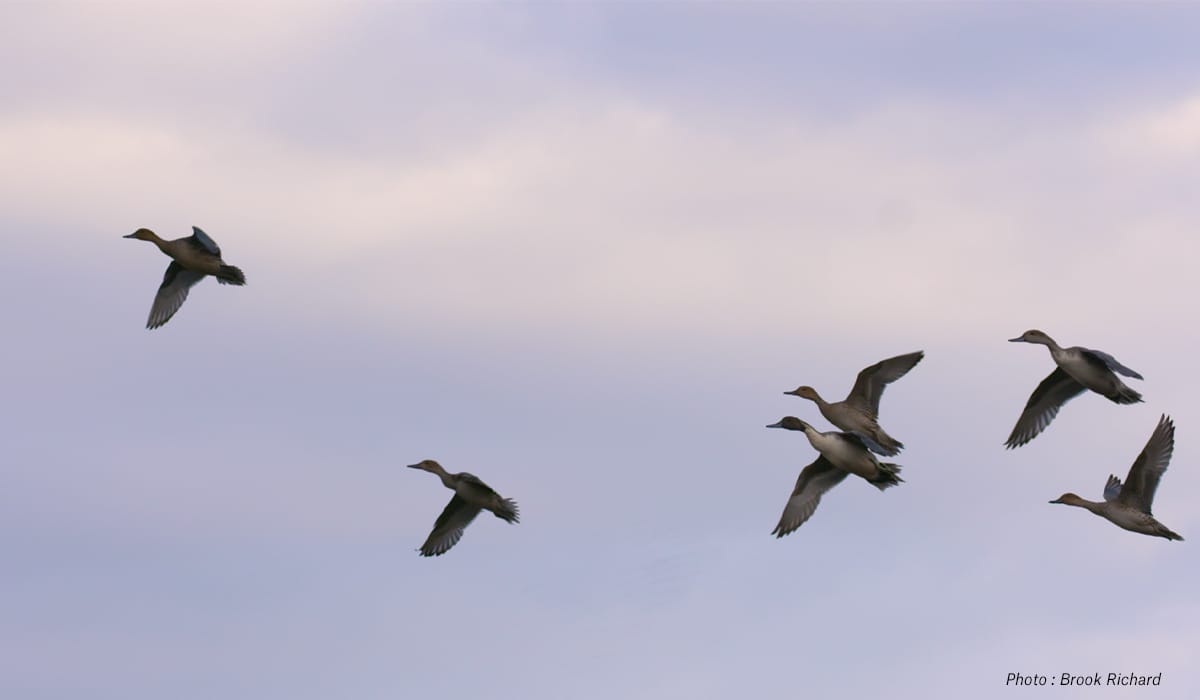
580, 250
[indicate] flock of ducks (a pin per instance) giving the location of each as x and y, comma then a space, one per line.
852, 450
1078, 369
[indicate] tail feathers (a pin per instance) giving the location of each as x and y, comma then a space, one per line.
1125, 395
228, 274
889, 475
888, 445
1167, 533
507, 511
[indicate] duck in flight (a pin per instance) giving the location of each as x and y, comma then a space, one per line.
1128, 506
1078, 369
470, 496
859, 413
841, 454
191, 259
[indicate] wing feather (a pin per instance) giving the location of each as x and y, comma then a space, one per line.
814, 481
201, 240
1148, 468
1111, 363
1112, 488
1054, 391
171, 293
869, 386
448, 529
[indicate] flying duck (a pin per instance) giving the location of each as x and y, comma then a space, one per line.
470, 496
1078, 369
191, 259
859, 413
1128, 506
841, 454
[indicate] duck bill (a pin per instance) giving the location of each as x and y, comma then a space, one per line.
414, 466
1017, 340
793, 392
1058, 500
776, 425
132, 235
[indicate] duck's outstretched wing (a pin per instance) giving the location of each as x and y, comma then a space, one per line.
868, 387
448, 529
1111, 363
814, 481
171, 293
1148, 468
1043, 405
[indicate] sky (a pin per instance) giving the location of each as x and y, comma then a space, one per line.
581, 250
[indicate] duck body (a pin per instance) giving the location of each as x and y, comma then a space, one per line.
1077, 370
192, 259
853, 419
1123, 517
1128, 505
471, 496
851, 456
841, 454
1081, 365
859, 413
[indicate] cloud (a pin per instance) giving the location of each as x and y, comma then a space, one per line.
622, 215
1168, 133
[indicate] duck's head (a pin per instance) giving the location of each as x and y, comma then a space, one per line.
427, 464
1069, 499
804, 392
790, 423
1032, 336
142, 234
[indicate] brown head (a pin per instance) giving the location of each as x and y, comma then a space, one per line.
790, 423
143, 234
428, 465
804, 392
1069, 499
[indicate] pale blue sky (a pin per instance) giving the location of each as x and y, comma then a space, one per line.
580, 251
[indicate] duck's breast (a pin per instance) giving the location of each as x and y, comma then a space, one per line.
848, 455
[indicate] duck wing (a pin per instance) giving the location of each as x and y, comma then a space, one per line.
868, 387
1110, 362
1112, 488
448, 528
814, 481
1049, 396
171, 293
201, 241
1148, 469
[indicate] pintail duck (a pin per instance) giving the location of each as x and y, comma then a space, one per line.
1078, 369
1128, 506
842, 454
191, 259
470, 496
859, 413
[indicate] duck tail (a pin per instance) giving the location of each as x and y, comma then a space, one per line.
1124, 395
888, 476
228, 274
887, 445
507, 511
1167, 533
